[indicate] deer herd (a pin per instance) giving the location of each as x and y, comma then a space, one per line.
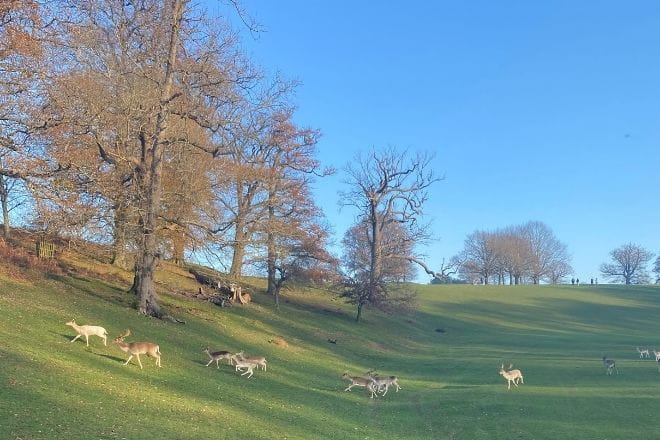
246, 365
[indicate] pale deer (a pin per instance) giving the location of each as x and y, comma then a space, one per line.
511, 375
216, 356
248, 365
384, 382
359, 381
259, 360
87, 330
610, 365
657, 355
137, 348
643, 353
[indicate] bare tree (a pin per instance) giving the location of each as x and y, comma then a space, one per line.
656, 269
628, 264
546, 251
386, 187
479, 257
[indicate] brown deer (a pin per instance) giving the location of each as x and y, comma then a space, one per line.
217, 355
137, 348
511, 375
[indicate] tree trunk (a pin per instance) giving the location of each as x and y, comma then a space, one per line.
270, 245
376, 257
4, 200
152, 166
178, 247
359, 312
238, 255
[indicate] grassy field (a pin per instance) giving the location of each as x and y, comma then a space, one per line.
51, 389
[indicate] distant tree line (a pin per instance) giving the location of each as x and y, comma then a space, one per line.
527, 253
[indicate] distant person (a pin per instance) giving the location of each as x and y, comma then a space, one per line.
572, 281
592, 281
577, 281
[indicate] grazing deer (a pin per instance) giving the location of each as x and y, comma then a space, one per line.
610, 365
248, 365
259, 360
87, 330
511, 375
384, 382
137, 348
359, 381
216, 356
644, 353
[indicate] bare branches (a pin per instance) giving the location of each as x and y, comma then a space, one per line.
628, 264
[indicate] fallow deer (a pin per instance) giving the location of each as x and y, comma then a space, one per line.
137, 348
511, 375
87, 330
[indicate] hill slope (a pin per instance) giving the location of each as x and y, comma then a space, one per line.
50, 388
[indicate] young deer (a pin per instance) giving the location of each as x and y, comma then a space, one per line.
511, 375
359, 381
384, 382
610, 365
259, 360
216, 356
248, 365
137, 348
87, 330
643, 353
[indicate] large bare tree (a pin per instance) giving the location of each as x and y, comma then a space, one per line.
387, 187
628, 264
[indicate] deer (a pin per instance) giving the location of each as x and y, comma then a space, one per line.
216, 356
259, 360
657, 355
511, 375
384, 382
247, 364
359, 381
610, 365
137, 348
644, 353
87, 330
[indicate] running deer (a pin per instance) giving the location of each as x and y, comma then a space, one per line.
259, 360
137, 348
216, 356
643, 353
657, 355
610, 365
511, 375
87, 330
247, 364
384, 382
359, 381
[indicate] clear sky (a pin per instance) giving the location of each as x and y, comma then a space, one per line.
535, 110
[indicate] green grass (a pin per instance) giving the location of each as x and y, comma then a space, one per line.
451, 389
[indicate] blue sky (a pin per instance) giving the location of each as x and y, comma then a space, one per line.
535, 110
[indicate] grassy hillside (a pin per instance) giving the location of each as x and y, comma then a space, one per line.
50, 388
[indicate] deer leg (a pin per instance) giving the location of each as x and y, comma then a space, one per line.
137, 356
158, 362
209, 362
74, 339
105, 340
387, 387
217, 363
351, 386
87, 340
128, 360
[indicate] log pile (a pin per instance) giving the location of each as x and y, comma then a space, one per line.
221, 293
